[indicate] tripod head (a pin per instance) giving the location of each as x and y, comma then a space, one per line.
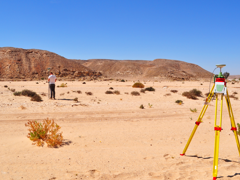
220, 66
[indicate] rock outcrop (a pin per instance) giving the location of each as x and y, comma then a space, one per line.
17, 63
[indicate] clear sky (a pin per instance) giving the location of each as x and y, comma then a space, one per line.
203, 32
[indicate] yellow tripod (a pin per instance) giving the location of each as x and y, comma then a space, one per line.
218, 89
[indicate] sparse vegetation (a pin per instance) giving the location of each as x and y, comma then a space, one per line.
141, 107
149, 89
63, 85
111, 88
116, 92
18, 93
135, 93
179, 102
22, 107
84, 82
238, 131
89, 93
122, 80
235, 92
168, 94
75, 99
196, 92
142, 90
138, 85
47, 131
36, 97
192, 94
150, 105
193, 110
79, 92
5, 86
174, 91
126, 93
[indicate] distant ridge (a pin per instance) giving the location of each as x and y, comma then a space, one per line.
143, 69
17, 63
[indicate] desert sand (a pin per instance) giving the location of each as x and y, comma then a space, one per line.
107, 136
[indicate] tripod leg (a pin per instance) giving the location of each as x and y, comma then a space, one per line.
199, 120
234, 128
217, 138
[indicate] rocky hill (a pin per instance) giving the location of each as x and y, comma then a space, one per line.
17, 63
140, 69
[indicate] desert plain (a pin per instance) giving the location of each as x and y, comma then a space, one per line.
107, 136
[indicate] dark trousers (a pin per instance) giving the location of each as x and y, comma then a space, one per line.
52, 88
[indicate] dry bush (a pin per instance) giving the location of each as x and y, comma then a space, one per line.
235, 92
126, 93
142, 90
108, 92
135, 93
168, 94
189, 95
61, 94
22, 107
138, 85
149, 89
111, 88
75, 99
28, 93
174, 91
43, 94
196, 92
5, 86
141, 107
79, 92
116, 92
36, 97
18, 93
89, 93
47, 131
13, 90
84, 82
122, 80
63, 85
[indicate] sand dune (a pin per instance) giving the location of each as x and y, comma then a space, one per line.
107, 136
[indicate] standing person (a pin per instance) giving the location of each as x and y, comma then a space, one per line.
52, 79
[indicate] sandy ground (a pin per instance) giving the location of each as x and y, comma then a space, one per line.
108, 136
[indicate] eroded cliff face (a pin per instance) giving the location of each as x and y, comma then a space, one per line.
17, 63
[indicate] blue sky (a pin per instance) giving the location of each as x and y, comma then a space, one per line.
203, 32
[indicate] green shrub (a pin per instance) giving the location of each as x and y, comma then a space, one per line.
193, 110
122, 80
149, 89
238, 132
18, 93
179, 102
63, 85
138, 85
141, 107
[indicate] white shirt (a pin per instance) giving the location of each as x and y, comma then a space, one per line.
52, 79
